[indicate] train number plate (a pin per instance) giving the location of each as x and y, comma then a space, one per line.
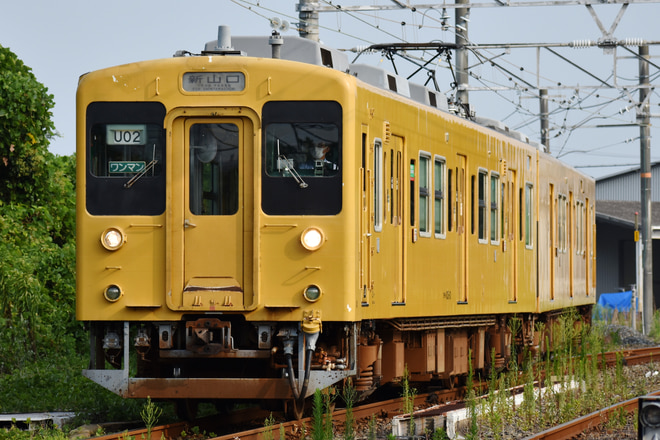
126, 134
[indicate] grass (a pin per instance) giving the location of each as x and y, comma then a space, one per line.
580, 386
40, 387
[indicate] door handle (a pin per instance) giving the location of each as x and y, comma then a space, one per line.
187, 224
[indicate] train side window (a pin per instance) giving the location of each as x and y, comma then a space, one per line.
494, 207
482, 200
378, 185
125, 158
301, 158
581, 226
214, 169
529, 209
561, 222
439, 169
424, 194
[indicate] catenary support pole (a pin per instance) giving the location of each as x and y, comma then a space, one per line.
461, 22
309, 19
545, 127
644, 120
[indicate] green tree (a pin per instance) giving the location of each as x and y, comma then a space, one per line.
37, 224
25, 129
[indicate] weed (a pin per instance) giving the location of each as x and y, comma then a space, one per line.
150, 414
439, 434
317, 416
268, 424
528, 408
514, 325
618, 419
408, 400
473, 432
372, 433
349, 394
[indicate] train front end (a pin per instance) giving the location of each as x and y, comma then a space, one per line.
215, 230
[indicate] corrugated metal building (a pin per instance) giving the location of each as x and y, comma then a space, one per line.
625, 186
618, 211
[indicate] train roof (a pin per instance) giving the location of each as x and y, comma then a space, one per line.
295, 48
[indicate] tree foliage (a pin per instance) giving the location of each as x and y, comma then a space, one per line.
37, 224
25, 128
42, 346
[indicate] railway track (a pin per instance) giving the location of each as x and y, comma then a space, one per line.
448, 400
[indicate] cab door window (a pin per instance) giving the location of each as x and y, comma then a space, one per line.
214, 169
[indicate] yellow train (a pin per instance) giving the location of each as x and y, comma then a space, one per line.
265, 219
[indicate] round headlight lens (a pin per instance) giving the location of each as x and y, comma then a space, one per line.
312, 238
112, 293
312, 293
112, 239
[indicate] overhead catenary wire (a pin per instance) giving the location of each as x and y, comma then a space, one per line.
567, 115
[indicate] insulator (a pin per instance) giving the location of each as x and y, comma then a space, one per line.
633, 42
362, 49
580, 44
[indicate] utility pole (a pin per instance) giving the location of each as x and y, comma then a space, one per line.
644, 120
461, 40
308, 13
545, 126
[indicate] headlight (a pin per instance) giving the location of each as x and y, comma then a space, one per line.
312, 293
113, 238
112, 293
312, 238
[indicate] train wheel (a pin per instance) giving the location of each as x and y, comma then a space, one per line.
186, 409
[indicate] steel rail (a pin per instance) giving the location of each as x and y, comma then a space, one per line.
575, 427
393, 407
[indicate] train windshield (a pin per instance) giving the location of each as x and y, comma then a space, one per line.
302, 158
125, 159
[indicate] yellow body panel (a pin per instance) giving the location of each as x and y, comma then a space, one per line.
410, 275
437, 231
259, 255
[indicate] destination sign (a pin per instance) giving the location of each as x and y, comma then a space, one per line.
213, 81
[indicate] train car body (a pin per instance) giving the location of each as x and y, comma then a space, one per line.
253, 227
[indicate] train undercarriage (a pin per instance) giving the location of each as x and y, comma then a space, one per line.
227, 359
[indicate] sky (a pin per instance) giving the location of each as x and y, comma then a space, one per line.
62, 40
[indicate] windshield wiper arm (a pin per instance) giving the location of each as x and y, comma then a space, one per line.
293, 171
139, 175
289, 167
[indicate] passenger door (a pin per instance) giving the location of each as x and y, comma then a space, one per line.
209, 268
461, 229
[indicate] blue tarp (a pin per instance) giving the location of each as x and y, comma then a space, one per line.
620, 301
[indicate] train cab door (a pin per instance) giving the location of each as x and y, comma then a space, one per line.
393, 229
511, 231
366, 213
386, 243
209, 268
461, 229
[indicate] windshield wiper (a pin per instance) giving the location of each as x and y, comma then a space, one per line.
146, 169
139, 175
289, 167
